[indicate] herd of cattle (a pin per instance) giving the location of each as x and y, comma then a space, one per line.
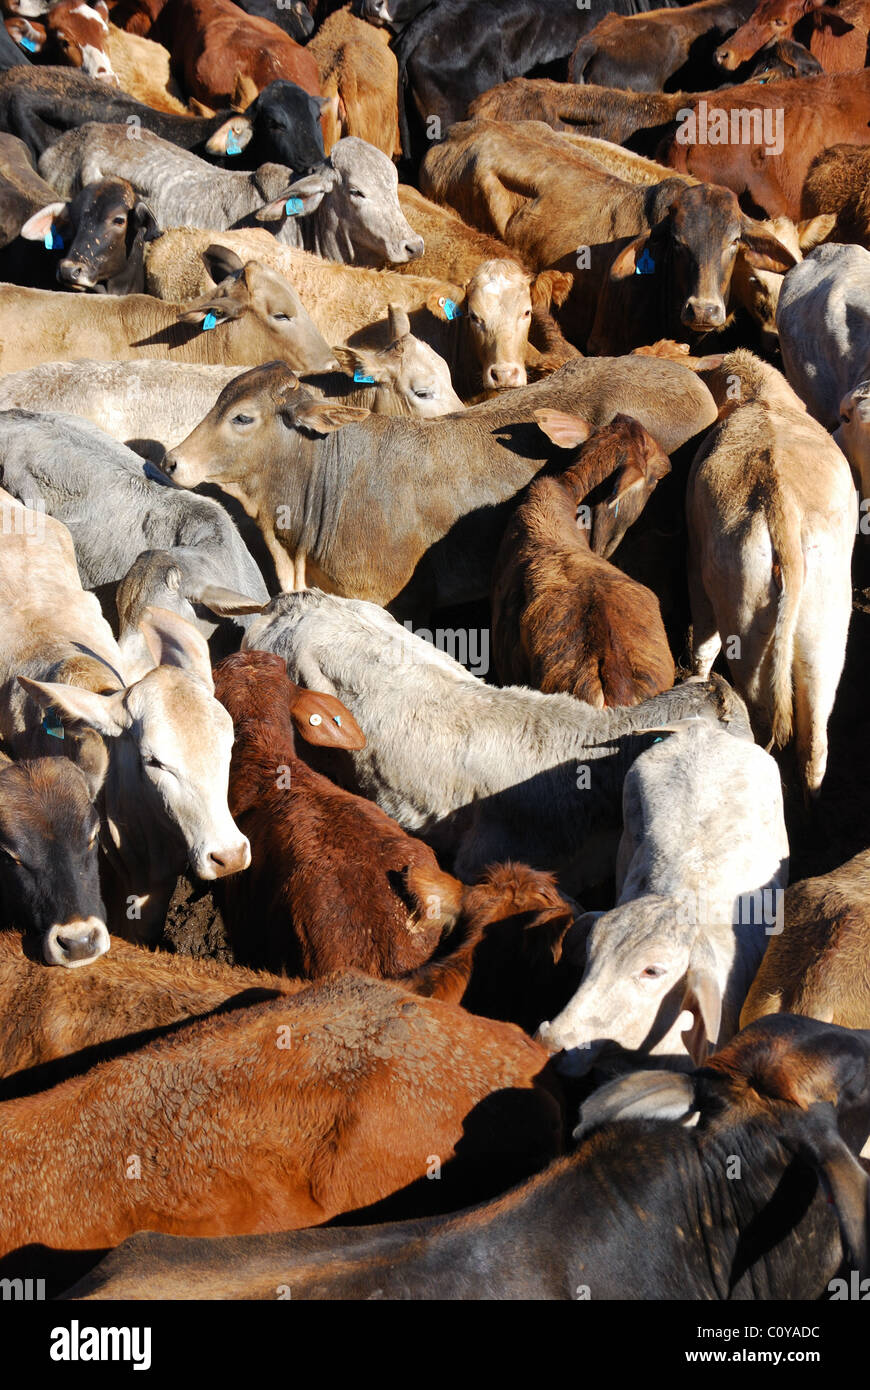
432, 641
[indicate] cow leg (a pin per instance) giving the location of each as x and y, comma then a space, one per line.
289, 569
706, 642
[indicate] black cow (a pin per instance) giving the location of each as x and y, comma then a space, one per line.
454, 50
49, 859
281, 126
736, 1207
100, 234
292, 16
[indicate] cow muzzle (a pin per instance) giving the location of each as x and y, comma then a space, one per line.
702, 315
231, 859
505, 375
76, 943
75, 275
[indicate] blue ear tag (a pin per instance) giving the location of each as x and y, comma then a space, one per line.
208, 322
646, 265
233, 146
56, 730
452, 310
293, 207
363, 379
53, 239
28, 44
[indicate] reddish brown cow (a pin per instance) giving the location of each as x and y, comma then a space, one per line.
511, 955
216, 46
277, 1116
324, 889
774, 135
838, 38
563, 618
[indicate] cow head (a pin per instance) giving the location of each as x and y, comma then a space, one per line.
252, 417
170, 744
409, 376
76, 34
693, 249
356, 195
772, 19
646, 964
616, 470
29, 36
49, 862
264, 309
104, 229
283, 125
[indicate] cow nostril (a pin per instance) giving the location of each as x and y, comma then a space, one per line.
169, 465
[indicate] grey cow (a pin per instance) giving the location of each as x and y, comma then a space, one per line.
701, 873
824, 329
347, 211
113, 511
483, 774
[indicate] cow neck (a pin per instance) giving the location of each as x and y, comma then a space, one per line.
140, 842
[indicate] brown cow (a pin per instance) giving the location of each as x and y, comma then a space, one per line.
324, 889
816, 112
276, 1116
838, 182
215, 44
563, 618
359, 77
642, 51
817, 965
837, 38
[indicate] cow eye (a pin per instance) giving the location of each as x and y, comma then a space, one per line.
652, 972
475, 318
8, 854
423, 395
119, 220
150, 761
242, 420
282, 318
357, 193
527, 313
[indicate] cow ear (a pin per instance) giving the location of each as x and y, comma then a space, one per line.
625, 264
643, 1095
324, 720
20, 29
310, 191
842, 1176
550, 287
222, 263
400, 324
444, 306
235, 133
220, 306
628, 477
814, 230
323, 417
103, 10
436, 895
226, 603
762, 249
37, 227
568, 431
361, 360
145, 222
702, 999
173, 641
80, 709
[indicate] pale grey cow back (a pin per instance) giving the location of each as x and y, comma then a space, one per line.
484, 774
823, 320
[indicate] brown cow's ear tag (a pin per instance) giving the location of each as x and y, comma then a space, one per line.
325, 721
563, 429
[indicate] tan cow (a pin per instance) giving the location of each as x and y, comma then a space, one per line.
359, 76
772, 513
167, 745
252, 316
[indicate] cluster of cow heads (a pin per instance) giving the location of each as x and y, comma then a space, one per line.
71, 33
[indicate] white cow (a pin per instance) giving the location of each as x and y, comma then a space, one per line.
168, 741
